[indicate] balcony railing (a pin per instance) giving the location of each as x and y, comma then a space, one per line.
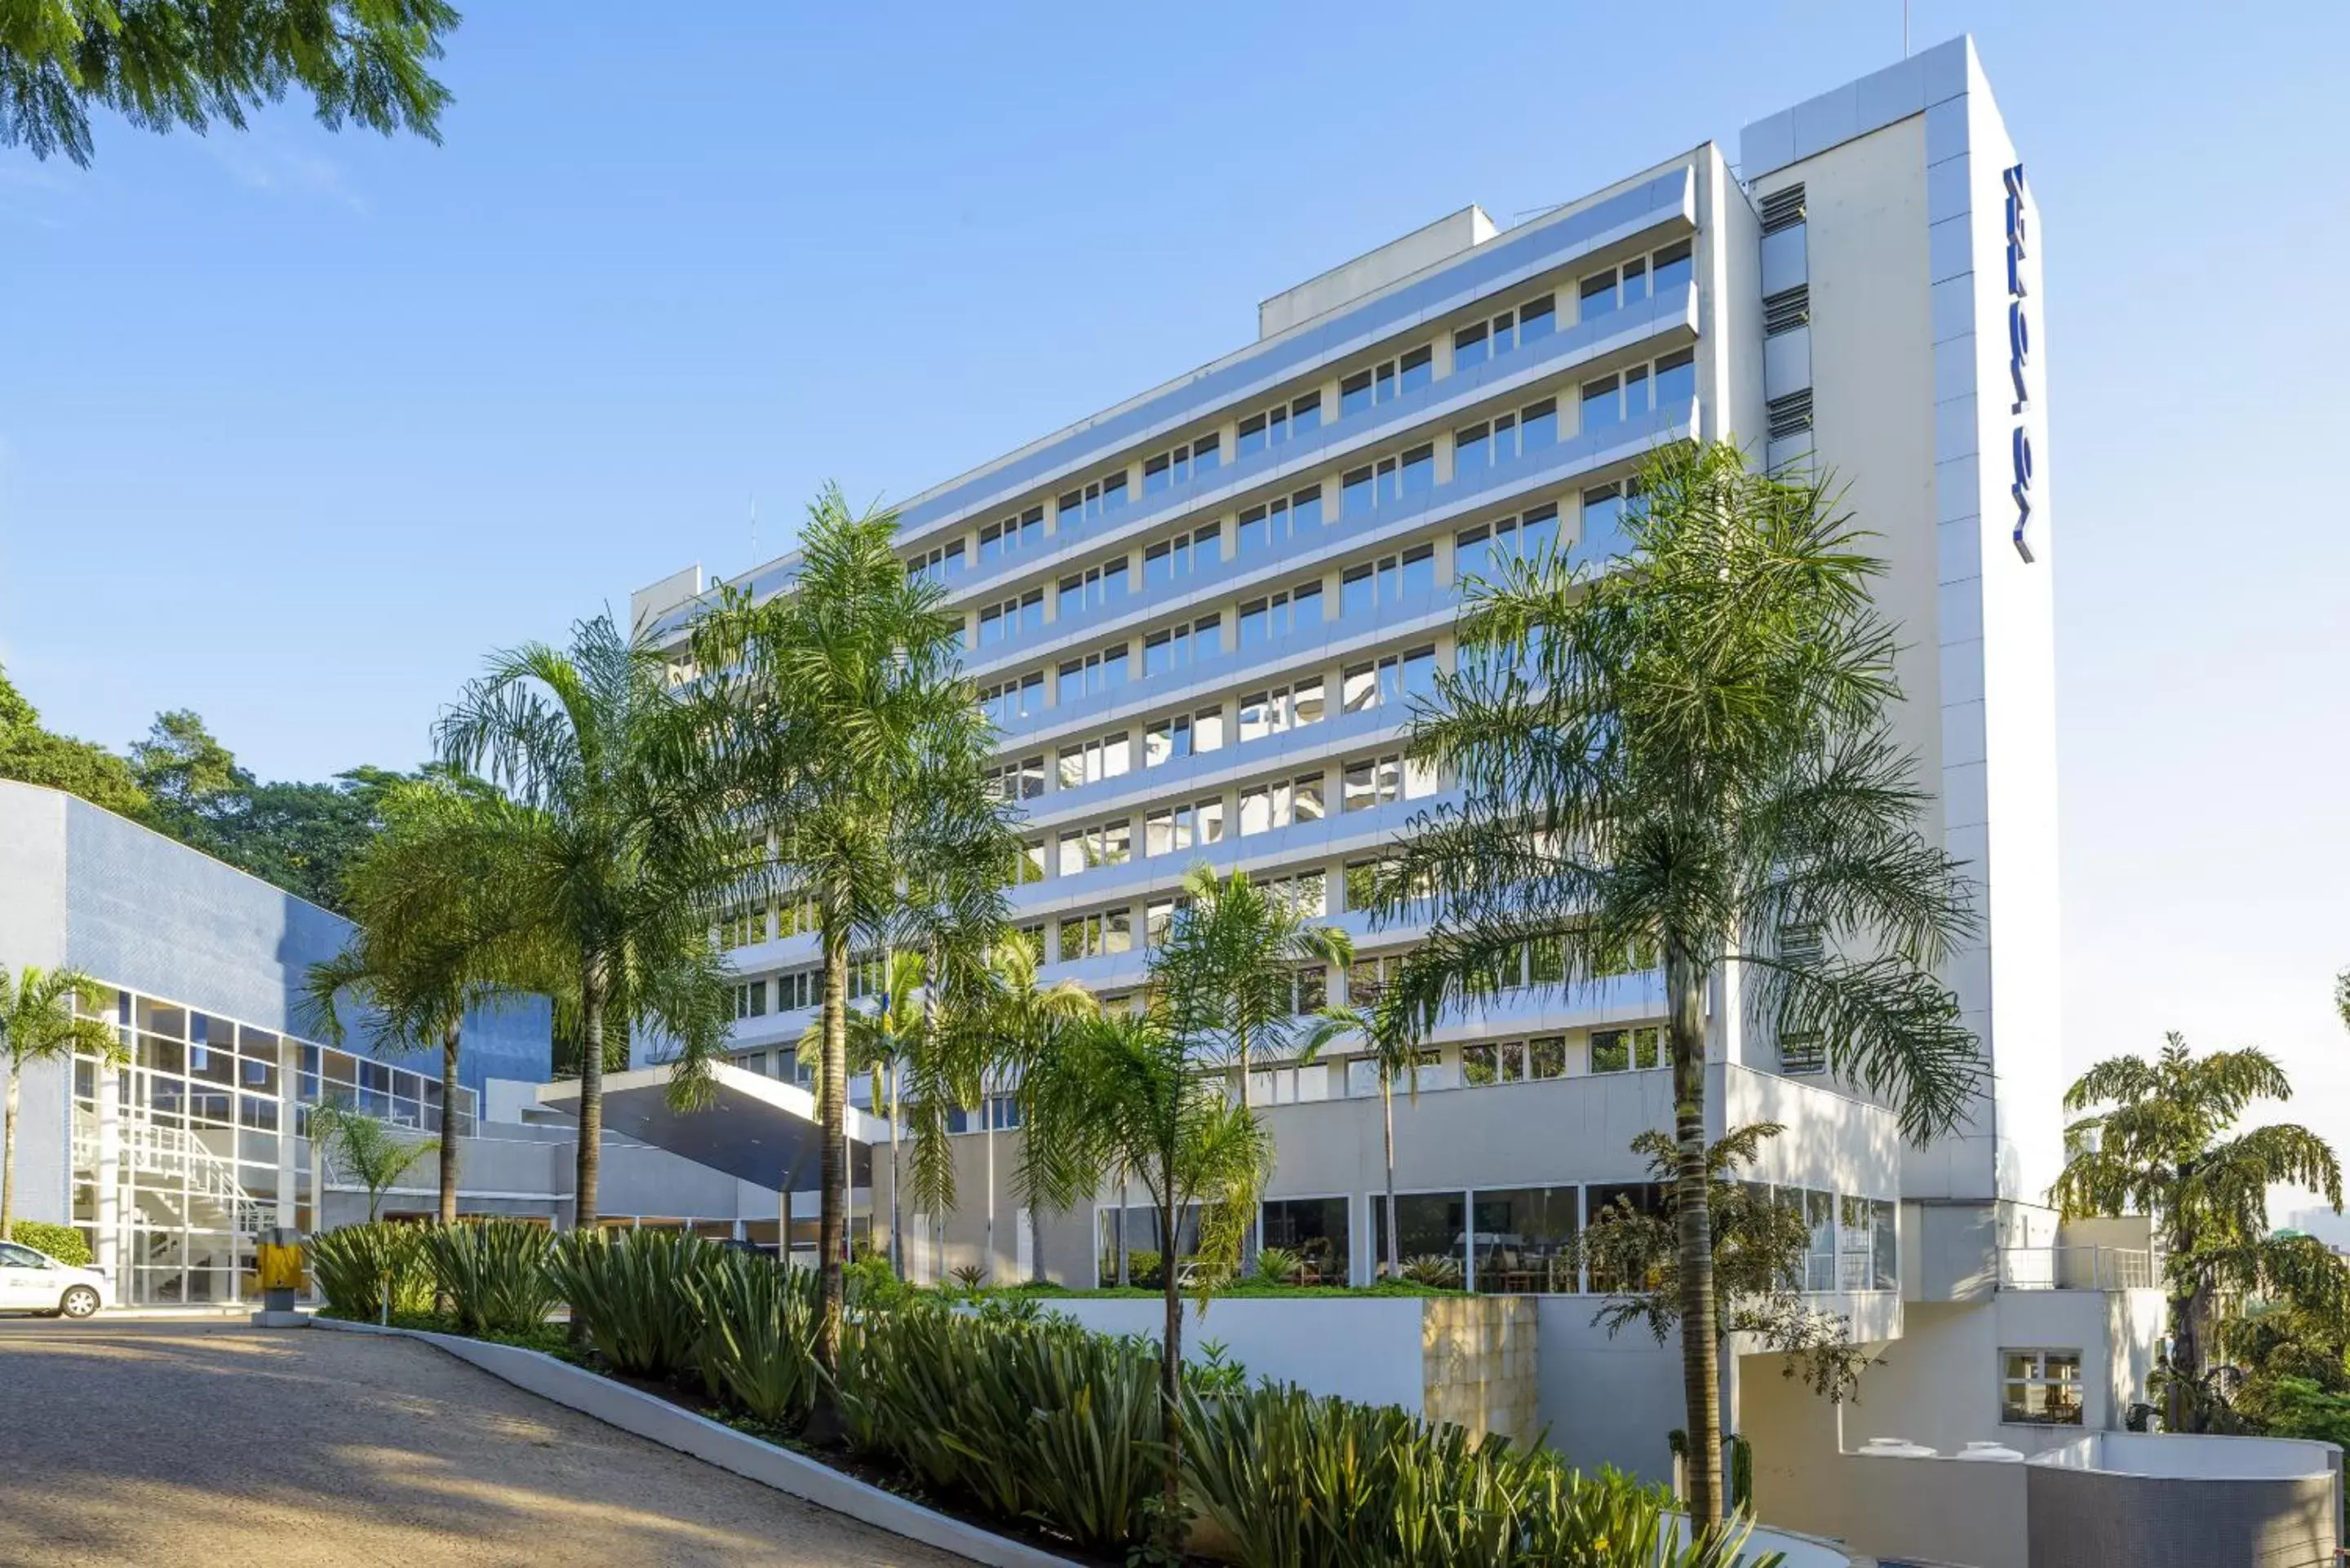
2075, 1269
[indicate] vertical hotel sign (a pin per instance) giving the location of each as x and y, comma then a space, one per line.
2018, 358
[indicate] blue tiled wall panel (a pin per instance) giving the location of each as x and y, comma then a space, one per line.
146, 912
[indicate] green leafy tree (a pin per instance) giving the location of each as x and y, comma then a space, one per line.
2297, 1331
162, 63
35, 755
605, 857
1689, 759
46, 1016
2161, 1140
413, 970
1760, 1248
365, 1149
838, 713
185, 770
1122, 1094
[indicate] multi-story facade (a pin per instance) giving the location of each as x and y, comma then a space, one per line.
1199, 620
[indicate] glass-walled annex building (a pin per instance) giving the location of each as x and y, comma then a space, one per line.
200, 1144
174, 1162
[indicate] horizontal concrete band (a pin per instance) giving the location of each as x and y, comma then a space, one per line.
672, 1427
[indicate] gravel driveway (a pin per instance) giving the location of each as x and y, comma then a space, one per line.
176, 1445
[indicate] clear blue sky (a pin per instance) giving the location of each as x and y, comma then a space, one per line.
294, 427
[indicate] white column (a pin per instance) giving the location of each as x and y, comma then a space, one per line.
106, 1177
289, 1085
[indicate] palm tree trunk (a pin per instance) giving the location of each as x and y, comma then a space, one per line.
1700, 1349
1170, 1368
987, 1121
2183, 1408
1253, 1239
593, 982
896, 1240
1394, 1229
832, 1112
1118, 1228
449, 1044
8, 1153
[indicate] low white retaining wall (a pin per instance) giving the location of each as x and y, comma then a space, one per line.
673, 1427
1364, 1348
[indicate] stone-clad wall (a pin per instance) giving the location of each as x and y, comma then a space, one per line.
1478, 1364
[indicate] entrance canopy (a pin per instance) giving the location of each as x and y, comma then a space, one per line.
754, 1128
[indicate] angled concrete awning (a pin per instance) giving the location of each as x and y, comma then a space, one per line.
754, 1128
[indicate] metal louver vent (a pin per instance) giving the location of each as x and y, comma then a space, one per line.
1790, 415
1786, 310
1783, 209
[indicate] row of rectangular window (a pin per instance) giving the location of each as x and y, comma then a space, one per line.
1599, 293
1369, 684
1608, 401
1366, 589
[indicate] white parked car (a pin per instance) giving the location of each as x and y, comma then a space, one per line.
32, 1280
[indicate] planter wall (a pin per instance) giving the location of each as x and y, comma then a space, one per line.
1468, 1360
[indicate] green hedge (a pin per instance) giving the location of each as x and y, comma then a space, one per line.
1025, 1418
63, 1242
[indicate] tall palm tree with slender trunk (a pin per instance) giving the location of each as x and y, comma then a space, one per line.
835, 710
1121, 1093
883, 1037
2161, 1140
1690, 759
1394, 1055
606, 847
413, 972
1230, 969
46, 1016
1017, 1027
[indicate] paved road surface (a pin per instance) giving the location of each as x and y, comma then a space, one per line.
188, 1445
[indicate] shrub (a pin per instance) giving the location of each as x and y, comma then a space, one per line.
495, 1274
872, 1285
63, 1242
1280, 1266
1036, 1421
1142, 1267
1295, 1480
633, 1293
970, 1276
755, 1348
1433, 1268
354, 1265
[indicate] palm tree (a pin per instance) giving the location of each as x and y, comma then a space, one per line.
837, 710
2161, 1141
415, 970
1691, 757
1121, 1093
1018, 1024
1230, 971
367, 1147
883, 1038
46, 1016
1395, 1055
607, 853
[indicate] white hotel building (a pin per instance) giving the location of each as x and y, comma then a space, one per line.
1199, 617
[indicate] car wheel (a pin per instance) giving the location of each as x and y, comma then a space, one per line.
80, 1302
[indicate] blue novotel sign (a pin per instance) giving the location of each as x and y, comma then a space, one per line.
2019, 356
